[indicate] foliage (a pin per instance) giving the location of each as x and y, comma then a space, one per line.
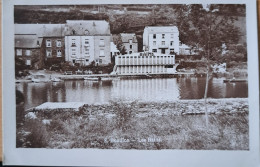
119, 44
38, 135
20, 68
124, 114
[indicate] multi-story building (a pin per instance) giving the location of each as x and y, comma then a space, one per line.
78, 41
47, 41
129, 42
145, 63
27, 48
161, 39
87, 41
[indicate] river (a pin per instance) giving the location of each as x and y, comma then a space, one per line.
156, 89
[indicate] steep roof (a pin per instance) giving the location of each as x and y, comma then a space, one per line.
27, 41
161, 29
113, 47
87, 27
41, 30
127, 36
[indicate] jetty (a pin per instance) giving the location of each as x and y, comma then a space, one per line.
60, 106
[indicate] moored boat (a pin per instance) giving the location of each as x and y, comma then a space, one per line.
36, 78
92, 78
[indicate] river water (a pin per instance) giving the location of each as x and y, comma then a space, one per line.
156, 89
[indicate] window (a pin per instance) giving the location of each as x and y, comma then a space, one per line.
171, 43
38, 43
130, 41
48, 43
86, 32
87, 51
73, 42
154, 43
48, 53
154, 36
131, 46
163, 51
87, 60
73, 61
19, 52
171, 35
163, 36
155, 50
58, 53
28, 62
102, 42
100, 60
102, 53
87, 42
28, 53
163, 42
130, 52
58, 43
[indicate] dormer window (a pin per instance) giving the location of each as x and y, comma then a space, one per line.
86, 32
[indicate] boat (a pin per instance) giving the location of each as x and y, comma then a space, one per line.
55, 79
234, 80
92, 78
36, 78
109, 78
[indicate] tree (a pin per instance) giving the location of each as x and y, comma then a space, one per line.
207, 30
119, 44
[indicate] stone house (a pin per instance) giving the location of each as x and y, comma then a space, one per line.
28, 49
129, 42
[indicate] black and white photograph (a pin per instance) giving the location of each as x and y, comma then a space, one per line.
131, 76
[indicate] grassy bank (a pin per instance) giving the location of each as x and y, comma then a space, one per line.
140, 125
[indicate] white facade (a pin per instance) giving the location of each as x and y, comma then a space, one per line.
145, 63
87, 41
79, 49
161, 39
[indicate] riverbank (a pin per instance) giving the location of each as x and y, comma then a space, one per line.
141, 125
231, 73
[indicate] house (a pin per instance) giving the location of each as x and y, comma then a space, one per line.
145, 63
113, 49
27, 48
48, 38
87, 41
130, 43
161, 39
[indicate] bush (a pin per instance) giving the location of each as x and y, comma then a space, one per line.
124, 114
38, 136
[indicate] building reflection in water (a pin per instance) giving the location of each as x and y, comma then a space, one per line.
146, 89
163, 89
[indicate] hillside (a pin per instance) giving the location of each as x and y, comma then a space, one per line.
122, 18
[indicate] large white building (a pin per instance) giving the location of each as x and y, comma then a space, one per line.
87, 41
161, 39
145, 63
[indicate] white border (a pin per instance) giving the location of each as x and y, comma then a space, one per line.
96, 157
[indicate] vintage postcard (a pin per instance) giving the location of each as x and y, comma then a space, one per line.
111, 83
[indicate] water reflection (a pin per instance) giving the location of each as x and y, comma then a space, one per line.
166, 89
